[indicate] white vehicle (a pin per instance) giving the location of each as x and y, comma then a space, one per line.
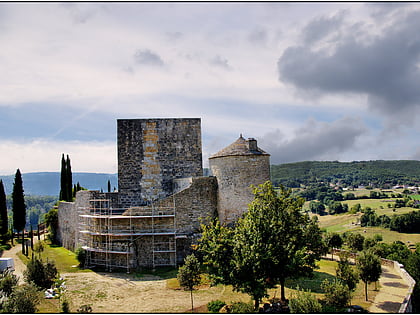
7, 263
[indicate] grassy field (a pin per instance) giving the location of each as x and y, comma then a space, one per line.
65, 262
64, 259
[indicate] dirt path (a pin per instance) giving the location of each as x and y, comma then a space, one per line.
391, 295
121, 293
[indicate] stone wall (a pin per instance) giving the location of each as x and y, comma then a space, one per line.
235, 174
69, 221
153, 152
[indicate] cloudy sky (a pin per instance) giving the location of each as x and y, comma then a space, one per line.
310, 81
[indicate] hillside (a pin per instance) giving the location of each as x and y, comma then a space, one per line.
378, 173
48, 183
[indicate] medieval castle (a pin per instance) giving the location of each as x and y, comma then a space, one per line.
162, 195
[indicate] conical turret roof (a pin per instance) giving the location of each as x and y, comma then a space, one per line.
240, 147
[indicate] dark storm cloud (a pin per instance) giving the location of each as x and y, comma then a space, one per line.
384, 67
315, 141
148, 57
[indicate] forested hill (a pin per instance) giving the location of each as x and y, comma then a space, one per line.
377, 173
48, 183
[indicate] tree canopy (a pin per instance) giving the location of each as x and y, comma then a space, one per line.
273, 241
4, 222
18, 203
369, 266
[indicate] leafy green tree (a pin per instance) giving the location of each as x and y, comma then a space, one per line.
355, 241
4, 222
333, 240
189, 275
273, 241
317, 207
337, 294
18, 205
345, 273
412, 265
303, 301
369, 266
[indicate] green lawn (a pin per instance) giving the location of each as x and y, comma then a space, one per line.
64, 259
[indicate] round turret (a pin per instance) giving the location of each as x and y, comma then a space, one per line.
237, 167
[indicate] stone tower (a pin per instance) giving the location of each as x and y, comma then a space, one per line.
236, 167
154, 152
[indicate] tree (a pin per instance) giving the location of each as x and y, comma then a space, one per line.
369, 266
333, 240
63, 180
355, 241
303, 301
273, 241
18, 205
66, 186
337, 294
189, 275
4, 223
345, 272
109, 185
69, 180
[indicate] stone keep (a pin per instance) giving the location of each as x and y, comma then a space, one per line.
237, 167
154, 152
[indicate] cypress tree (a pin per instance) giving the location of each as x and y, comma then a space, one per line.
18, 205
109, 185
63, 180
69, 180
4, 223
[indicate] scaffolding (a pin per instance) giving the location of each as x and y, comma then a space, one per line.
110, 235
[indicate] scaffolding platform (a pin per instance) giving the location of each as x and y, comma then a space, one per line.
109, 234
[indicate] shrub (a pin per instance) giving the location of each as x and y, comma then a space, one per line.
7, 282
81, 256
23, 299
337, 294
215, 306
41, 274
304, 302
242, 308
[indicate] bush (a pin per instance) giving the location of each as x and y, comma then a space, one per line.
304, 302
81, 256
215, 306
41, 274
8, 281
23, 299
242, 307
337, 294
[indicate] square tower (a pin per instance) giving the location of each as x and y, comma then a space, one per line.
154, 152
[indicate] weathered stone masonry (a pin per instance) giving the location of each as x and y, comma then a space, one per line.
162, 196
